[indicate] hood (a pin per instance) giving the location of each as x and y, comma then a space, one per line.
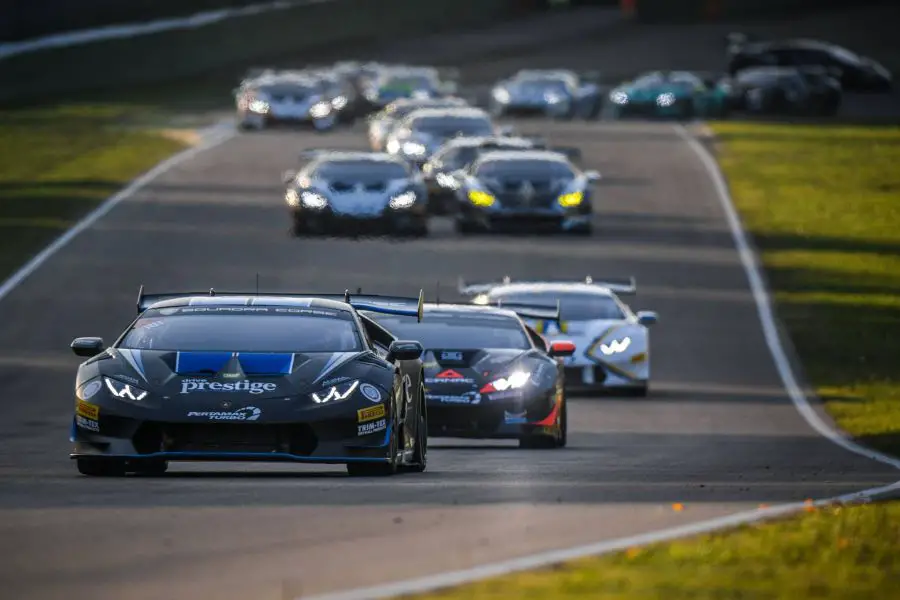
361, 198
514, 184
457, 375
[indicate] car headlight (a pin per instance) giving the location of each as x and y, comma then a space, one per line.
513, 382
479, 198
393, 147
447, 181
615, 346
501, 95
313, 200
404, 200
259, 106
666, 99
553, 98
320, 110
89, 390
124, 391
339, 102
336, 393
619, 98
413, 149
572, 199
292, 197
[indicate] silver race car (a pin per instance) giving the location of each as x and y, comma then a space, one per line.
286, 97
613, 342
555, 93
382, 123
341, 192
424, 131
392, 83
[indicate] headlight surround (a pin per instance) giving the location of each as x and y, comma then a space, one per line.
320, 110
336, 393
339, 102
404, 200
501, 95
572, 199
259, 106
124, 391
292, 198
447, 181
619, 98
616, 346
665, 99
414, 149
392, 146
313, 200
89, 389
480, 198
513, 381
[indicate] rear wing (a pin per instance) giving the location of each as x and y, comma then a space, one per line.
524, 310
309, 154
619, 286
389, 305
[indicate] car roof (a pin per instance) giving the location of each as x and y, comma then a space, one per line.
465, 309
251, 300
524, 154
488, 140
559, 287
338, 155
450, 111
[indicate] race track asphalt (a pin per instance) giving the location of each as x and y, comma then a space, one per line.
717, 433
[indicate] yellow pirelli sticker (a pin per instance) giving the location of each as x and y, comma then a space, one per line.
87, 410
370, 414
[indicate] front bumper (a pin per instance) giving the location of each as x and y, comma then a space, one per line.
570, 220
388, 222
493, 419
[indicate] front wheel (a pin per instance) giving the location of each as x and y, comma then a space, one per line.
420, 455
377, 469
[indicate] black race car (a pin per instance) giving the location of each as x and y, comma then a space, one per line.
489, 375
530, 190
855, 73
459, 153
252, 377
785, 91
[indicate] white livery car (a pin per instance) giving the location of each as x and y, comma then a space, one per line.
612, 342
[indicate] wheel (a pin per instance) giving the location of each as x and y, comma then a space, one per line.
298, 227
420, 456
152, 468
563, 426
100, 467
377, 469
545, 442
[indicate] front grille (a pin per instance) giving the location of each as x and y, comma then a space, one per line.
298, 439
516, 201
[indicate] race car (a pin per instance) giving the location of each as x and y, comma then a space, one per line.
458, 153
613, 342
535, 190
382, 123
488, 375
355, 192
785, 91
854, 72
555, 93
678, 94
287, 97
425, 130
392, 83
251, 377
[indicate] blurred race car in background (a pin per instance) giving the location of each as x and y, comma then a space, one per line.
392, 83
487, 375
353, 192
287, 97
528, 190
854, 72
555, 93
382, 123
459, 153
785, 91
251, 377
425, 130
613, 342
678, 94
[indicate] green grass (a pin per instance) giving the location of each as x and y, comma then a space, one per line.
833, 553
823, 204
59, 162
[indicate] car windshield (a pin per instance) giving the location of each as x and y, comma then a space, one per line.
243, 331
572, 306
292, 90
546, 85
360, 169
407, 83
534, 168
459, 331
449, 126
844, 55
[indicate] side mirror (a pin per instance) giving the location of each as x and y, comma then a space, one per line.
561, 348
87, 346
288, 176
647, 318
404, 350
592, 176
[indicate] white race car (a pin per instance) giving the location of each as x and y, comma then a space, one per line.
612, 342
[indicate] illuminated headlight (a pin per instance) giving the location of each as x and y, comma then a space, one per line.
124, 391
313, 200
404, 200
336, 393
619, 98
501, 95
615, 346
259, 106
292, 198
513, 382
339, 102
570, 200
446, 181
413, 149
393, 147
667, 99
552, 98
479, 198
320, 109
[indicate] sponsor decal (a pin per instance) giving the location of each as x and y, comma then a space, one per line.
85, 423
334, 381
248, 413
232, 375
370, 414
91, 389
205, 385
152, 324
449, 376
514, 418
451, 355
407, 387
126, 379
467, 398
87, 410
430, 365
372, 393
505, 395
373, 427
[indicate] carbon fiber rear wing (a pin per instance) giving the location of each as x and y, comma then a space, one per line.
389, 305
524, 310
619, 286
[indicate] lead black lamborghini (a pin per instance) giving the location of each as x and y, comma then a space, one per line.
488, 374
252, 377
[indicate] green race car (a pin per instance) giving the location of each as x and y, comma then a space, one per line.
672, 94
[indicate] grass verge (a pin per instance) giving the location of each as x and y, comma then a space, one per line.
59, 162
823, 204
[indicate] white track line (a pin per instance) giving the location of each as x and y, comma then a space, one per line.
211, 137
767, 320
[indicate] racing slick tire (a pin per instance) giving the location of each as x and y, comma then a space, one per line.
539, 441
100, 467
420, 457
